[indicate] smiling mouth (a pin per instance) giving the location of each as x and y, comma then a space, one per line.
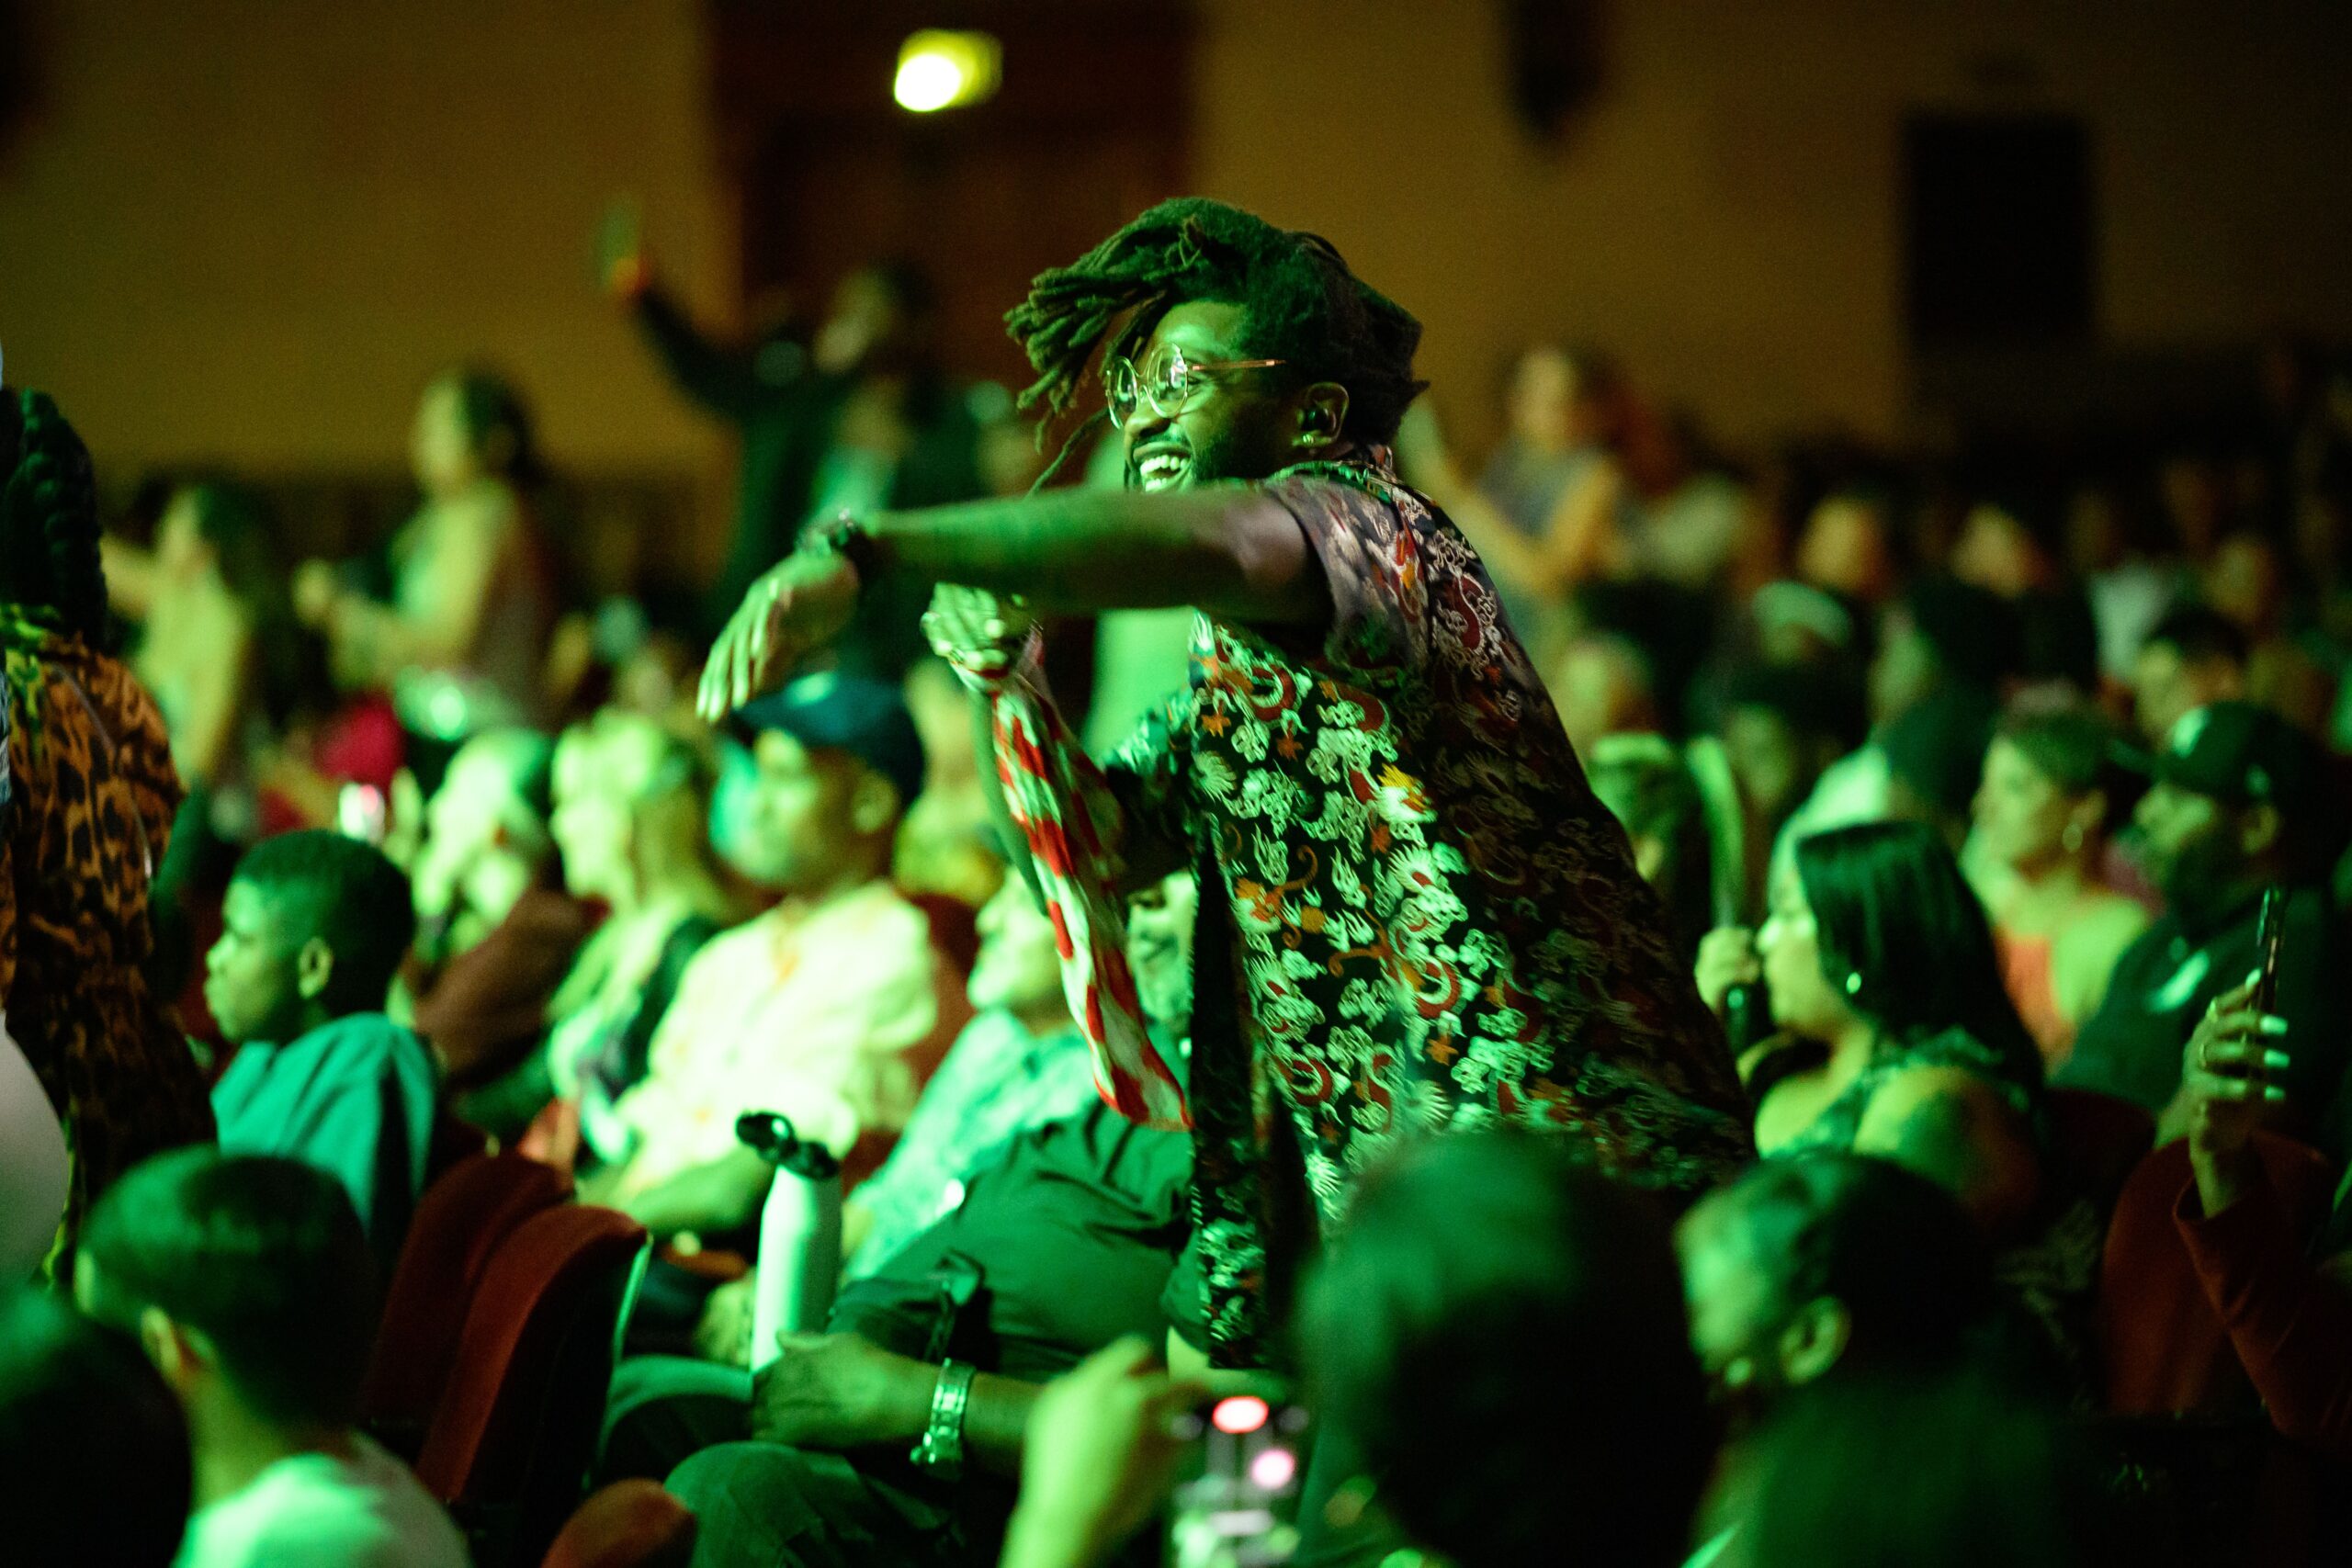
1161, 470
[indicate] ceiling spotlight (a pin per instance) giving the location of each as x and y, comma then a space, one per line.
940, 70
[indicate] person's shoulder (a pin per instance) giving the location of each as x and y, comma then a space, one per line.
2108, 922
365, 1037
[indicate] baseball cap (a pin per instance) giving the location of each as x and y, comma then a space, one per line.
829, 711
2244, 754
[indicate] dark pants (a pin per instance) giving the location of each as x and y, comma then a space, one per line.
762, 1504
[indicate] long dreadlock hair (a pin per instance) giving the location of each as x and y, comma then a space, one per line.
1300, 304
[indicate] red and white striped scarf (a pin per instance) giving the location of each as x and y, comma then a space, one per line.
1063, 806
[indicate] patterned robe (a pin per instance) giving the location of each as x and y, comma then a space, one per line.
87, 799
1430, 920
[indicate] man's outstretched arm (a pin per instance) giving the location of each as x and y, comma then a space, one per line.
1227, 549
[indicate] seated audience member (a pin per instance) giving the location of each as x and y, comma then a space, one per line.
2195, 657
1020, 1064
1948, 1468
312, 931
1896, 1037
1091, 1197
2240, 803
494, 936
631, 814
2051, 800
2288, 1317
1683, 844
1848, 545
822, 1008
1603, 685
1828, 1262
1935, 758
1824, 1267
1943, 641
1417, 1335
247, 1279
93, 1454
2011, 544
2246, 581
1783, 728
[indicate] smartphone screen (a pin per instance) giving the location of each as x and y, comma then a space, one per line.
1237, 1494
2270, 931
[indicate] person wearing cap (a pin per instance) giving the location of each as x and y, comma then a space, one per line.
832, 1008
2240, 803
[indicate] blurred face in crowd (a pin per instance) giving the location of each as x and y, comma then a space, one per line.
442, 451
2167, 683
2195, 847
607, 785
2242, 582
253, 981
182, 552
476, 849
1844, 549
1903, 673
1018, 967
1232, 425
1768, 760
1788, 947
1750, 1338
867, 319
1600, 688
1996, 553
797, 818
1552, 405
2022, 815
1159, 947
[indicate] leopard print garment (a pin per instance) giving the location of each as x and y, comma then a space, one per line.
87, 801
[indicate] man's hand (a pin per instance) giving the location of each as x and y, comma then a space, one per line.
1101, 1448
834, 1392
723, 1333
2225, 1087
973, 627
798, 606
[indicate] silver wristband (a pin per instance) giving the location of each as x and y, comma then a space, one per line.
942, 1449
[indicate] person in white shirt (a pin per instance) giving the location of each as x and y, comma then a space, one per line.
249, 1281
832, 1007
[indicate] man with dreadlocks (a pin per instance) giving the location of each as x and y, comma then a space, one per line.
1415, 914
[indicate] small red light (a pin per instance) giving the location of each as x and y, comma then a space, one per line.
1242, 1413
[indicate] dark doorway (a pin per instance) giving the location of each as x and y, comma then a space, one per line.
1999, 241
1089, 127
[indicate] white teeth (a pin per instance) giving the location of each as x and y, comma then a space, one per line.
1159, 468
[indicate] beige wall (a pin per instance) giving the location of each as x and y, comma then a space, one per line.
250, 229
1727, 220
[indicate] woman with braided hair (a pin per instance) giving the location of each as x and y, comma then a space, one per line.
87, 798
1415, 914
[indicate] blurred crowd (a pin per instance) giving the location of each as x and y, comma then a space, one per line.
1997, 799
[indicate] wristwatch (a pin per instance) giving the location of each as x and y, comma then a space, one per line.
846, 534
942, 1449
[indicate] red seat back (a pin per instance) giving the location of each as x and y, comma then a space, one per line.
511, 1444
2162, 1348
630, 1524
461, 1222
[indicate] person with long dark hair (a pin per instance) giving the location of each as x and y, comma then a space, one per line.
86, 801
1894, 1034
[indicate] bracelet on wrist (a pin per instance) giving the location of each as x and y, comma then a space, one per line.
847, 537
941, 1451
